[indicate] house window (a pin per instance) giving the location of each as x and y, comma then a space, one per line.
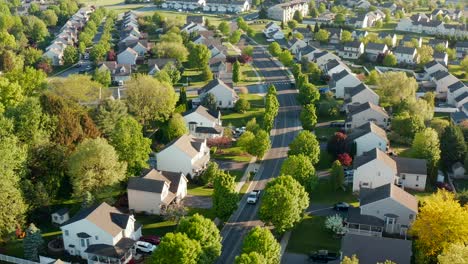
84, 242
96, 237
417, 178
403, 177
55, 217
66, 232
220, 103
365, 184
411, 216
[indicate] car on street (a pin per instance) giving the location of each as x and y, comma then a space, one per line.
144, 247
253, 197
152, 239
341, 206
322, 256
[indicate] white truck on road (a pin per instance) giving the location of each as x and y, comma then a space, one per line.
253, 197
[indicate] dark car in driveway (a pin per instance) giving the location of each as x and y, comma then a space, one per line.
342, 206
322, 256
153, 239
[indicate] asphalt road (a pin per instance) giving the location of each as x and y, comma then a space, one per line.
287, 125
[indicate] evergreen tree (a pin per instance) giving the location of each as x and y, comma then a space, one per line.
452, 145
32, 243
236, 73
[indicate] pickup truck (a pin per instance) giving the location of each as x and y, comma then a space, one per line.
253, 197
322, 256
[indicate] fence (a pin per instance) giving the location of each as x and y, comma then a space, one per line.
10, 259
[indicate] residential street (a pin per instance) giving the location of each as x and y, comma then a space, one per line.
287, 126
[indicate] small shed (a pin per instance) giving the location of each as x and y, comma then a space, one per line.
60, 216
458, 170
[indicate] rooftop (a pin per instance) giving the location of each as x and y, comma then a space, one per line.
368, 196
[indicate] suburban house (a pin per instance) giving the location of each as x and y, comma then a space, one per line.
225, 96
155, 190
271, 27
305, 32
155, 65
435, 42
406, 55
434, 66
218, 67
193, 28
392, 36
368, 137
55, 56
340, 80
307, 52
203, 123
60, 216
216, 52
396, 208
351, 50
366, 20
458, 170
461, 115
335, 66
128, 56
359, 94
363, 113
461, 47
321, 58
183, 4
443, 80
295, 44
375, 168
457, 94
374, 51
359, 33
285, 11
420, 23
119, 72
335, 35
101, 233
186, 154
441, 57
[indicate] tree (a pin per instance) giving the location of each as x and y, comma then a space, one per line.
379, 24
176, 127
261, 241
464, 65
150, 99
337, 144
286, 58
37, 29
425, 54
389, 60
235, 37
224, 28
340, 18
301, 169
284, 202
308, 94
206, 73
236, 73
345, 159
322, 35
426, 146
255, 144
32, 243
31, 56
275, 49
337, 175
308, 117
454, 253
298, 16
322, 8
70, 55
251, 258
103, 77
242, 105
130, 144
406, 125
78, 88
452, 145
292, 24
450, 216
373, 77
94, 164
224, 195
177, 248
209, 101
439, 125
348, 260
199, 55
50, 18
305, 143
108, 113
314, 13
211, 171
173, 50
346, 36
204, 231
335, 224
395, 87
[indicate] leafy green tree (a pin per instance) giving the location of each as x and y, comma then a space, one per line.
301, 169
322, 35
337, 175
426, 146
130, 144
32, 243
346, 36
305, 143
322, 8
70, 55
454, 253
296, 69
199, 55
32, 81
236, 73
389, 60
308, 117
94, 164
286, 58
206, 74
379, 24
292, 24
425, 53
340, 18
464, 65
298, 16
103, 77
235, 37
283, 203
262, 142
204, 231
452, 145
350, 260
275, 49
150, 99
50, 18
406, 125
314, 13
251, 258
372, 78
224, 28
31, 56
173, 50
212, 170
262, 242
209, 101
78, 88
176, 127
242, 105
98, 52
177, 248
395, 87
224, 195
108, 113
308, 94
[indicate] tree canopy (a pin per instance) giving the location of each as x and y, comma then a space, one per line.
305, 143
301, 169
176, 248
262, 242
394, 87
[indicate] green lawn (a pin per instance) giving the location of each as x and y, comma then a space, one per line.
194, 77
325, 194
310, 235
233, 153
197, 190
325, 161
237, 174
257, 109
325, 132
208, 213
458, 72
155, 225
249, 75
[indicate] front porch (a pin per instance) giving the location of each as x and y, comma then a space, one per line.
121, 253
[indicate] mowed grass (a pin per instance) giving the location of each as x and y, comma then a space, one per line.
458, 72
233, 153
324, 193
194, 78
257, 109
311, 235
197, 190
325, 132
249, 75
325, 160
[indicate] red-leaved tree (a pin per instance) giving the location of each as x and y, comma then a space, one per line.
345, 159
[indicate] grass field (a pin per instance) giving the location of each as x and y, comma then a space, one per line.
198, 190
325, 161
458, 72
310, 235
249, 75
194, 77
325, 132
325, 193
257, 108
233, 153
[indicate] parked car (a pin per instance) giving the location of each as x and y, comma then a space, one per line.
341, 206
253, 197
323, 256
152, 239
145, 247
337, 124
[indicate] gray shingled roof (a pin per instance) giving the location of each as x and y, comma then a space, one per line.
340, 75
456, 86
410, 165
203, 111
365, 129
390, 190
187, 143
431, 64
367, 105
405, 50
373, 155
117, 251
375, 46
461, 97
439, 75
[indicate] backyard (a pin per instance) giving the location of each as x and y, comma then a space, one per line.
232, 118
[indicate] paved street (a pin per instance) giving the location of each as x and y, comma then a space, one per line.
287, 126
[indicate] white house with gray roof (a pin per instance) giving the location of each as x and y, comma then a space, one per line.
357, 95
203, 123
406, 55
335, 66
155, 190
101, 233
376, 50
186, 154
285, 11
443, 80
295, 44
307, 52
351, 50
128, 56
455, 90
225, 96
368, 137
363, 113
432, 67
340, 80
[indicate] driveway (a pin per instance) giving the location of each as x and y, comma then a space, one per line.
198, 201
231, 165
289, 258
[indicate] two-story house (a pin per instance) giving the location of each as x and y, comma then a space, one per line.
433, 67
285, 11
456, 94
359, 94
225, 96
335, 35
366, 138
307, 52
154, 190
340, 80
335, 66
374, 51
128, 56
391, 36
443, 80
101, 233
363, 113
406, 55
295, 44
186, 154
119, 72
461, 47
351, 50
203, 123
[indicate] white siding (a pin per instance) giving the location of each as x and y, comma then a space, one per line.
375, 173
144, 201
175, 160
390, 206
369, 142
369, 115
413, 181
